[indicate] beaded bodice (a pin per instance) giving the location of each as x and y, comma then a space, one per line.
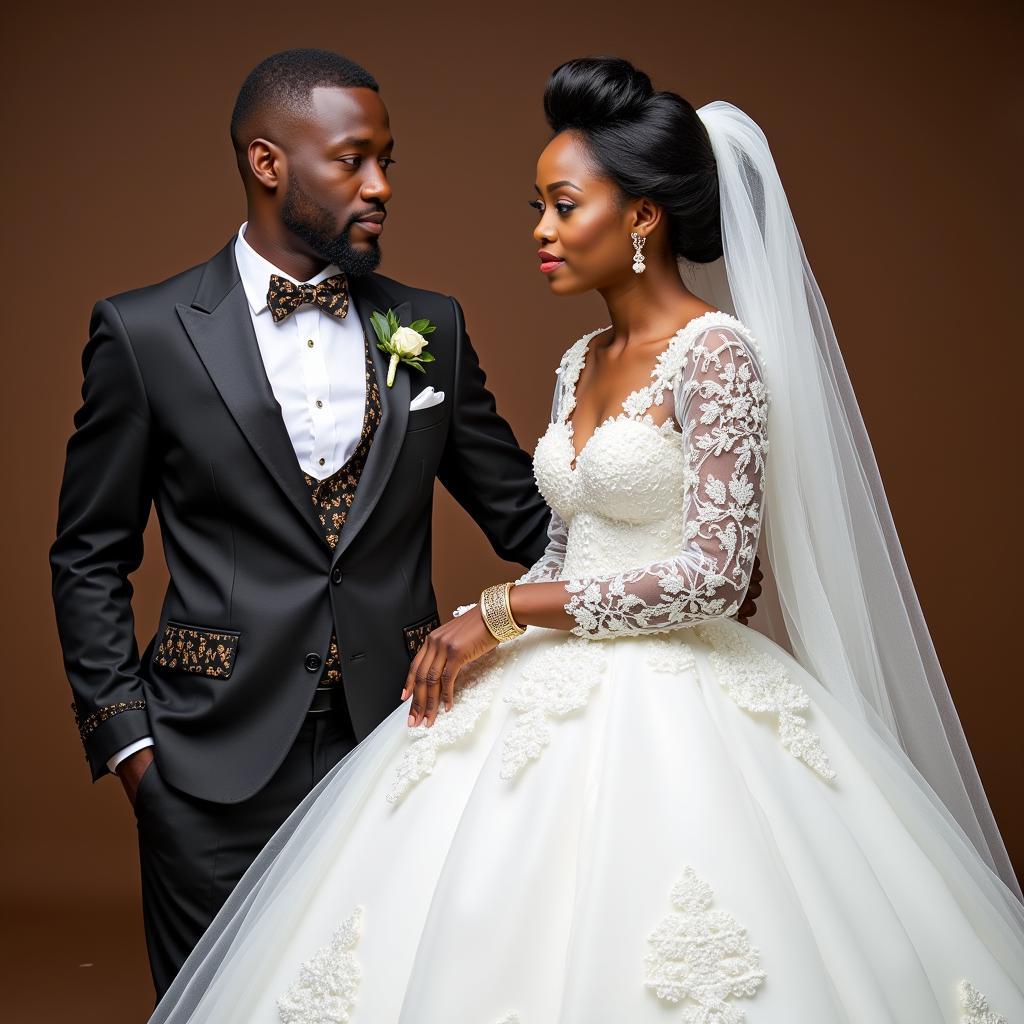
656, 521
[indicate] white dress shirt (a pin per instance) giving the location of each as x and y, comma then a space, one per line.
316, 365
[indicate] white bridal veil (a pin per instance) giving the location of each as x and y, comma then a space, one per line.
847, 606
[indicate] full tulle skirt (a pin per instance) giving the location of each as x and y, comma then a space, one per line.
673, 827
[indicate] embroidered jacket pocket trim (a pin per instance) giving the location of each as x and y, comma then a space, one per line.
197, 649
416, 632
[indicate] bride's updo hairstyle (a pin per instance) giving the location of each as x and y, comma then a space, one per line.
651, 144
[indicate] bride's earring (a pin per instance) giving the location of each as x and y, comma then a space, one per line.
638, 253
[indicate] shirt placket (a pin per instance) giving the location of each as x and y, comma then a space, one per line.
316, 378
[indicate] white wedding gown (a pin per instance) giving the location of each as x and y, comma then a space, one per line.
658, 817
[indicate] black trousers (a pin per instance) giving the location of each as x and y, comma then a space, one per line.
193, 852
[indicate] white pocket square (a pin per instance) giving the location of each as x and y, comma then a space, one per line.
426, 399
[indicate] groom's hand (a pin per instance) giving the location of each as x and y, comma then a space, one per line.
130, 771
436, 666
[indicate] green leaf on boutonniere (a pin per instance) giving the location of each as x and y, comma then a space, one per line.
403, 344
381, 328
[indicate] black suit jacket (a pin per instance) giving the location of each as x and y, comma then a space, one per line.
178, 412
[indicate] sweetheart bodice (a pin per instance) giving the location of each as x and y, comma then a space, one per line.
623, 500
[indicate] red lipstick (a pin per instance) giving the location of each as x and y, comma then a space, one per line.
549, 261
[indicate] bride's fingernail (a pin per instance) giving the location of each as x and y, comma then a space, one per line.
412, 719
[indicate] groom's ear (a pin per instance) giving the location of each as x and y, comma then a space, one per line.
266, 163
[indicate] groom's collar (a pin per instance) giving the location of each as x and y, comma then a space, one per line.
255, 271
221, 274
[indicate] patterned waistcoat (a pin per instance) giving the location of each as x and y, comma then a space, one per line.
332, 497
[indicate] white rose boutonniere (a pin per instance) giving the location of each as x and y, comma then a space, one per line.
403, 344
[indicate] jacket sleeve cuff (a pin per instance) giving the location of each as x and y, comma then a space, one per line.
108, 729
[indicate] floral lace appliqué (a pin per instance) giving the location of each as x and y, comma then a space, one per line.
475, 691
760, 683
702, 956
975, 1007
669, 654
556, 682
569, 371
667, 369
325, 990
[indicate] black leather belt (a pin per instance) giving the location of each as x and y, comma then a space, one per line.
327, 698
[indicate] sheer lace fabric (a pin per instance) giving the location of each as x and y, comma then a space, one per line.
659, 543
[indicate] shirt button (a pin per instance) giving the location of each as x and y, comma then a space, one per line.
323, 462
336, 575
319, 404
313, 662
310, 343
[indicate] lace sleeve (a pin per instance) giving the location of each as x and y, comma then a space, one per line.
549, 566
721, 405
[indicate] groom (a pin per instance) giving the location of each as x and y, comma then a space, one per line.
246, 398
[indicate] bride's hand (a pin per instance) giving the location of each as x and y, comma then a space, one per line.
436, 666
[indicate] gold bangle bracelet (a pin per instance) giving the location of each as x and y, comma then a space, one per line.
497, 613
508, 607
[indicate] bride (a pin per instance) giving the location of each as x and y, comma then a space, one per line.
611, 800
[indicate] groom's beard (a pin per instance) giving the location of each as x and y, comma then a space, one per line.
314, 224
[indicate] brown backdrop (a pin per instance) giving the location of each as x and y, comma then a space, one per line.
121, 174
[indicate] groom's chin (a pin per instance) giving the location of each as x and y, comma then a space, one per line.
367, 260
357, 259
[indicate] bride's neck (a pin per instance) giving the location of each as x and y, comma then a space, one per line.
649, 305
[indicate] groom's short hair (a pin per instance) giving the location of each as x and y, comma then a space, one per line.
283, 81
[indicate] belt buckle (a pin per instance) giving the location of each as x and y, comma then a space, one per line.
323, 700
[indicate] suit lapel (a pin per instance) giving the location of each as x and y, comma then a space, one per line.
220, 327
387, 441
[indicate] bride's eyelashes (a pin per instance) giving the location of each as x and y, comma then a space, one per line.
564, 208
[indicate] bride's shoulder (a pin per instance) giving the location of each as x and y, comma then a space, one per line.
717, 330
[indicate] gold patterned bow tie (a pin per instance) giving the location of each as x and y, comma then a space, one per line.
284, 296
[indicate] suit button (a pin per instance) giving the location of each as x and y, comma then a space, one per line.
336, 575
313, 662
